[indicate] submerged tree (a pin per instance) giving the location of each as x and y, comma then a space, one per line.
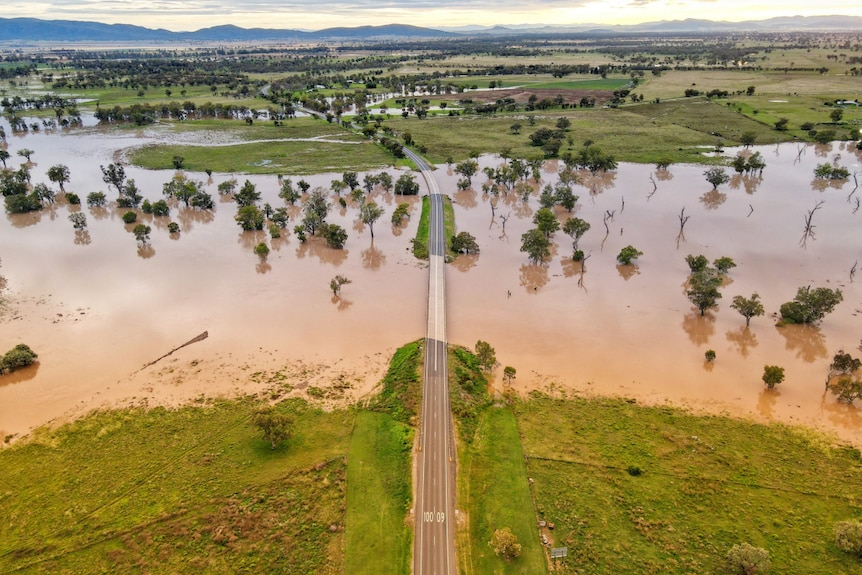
748, 307
716, 176
810, 305
703, 289
536, 245
369, 213
336, 283
486, 355
772, 375
627, 254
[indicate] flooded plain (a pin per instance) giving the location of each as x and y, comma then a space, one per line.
97, 307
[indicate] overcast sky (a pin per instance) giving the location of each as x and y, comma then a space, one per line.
316, 14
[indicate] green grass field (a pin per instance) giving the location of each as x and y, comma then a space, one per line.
300, 147
644, 133
379, 541
493, 489
164, 491
705, 484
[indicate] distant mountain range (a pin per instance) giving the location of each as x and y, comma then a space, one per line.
18, 30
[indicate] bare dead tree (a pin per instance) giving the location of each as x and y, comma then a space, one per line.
583, 270
623, 205
853, 271
683, 219
856, 209
808, 233
800, 149
751, 210
605, 219
505, 219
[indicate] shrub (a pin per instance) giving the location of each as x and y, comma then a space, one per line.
173, 228
848, 537
130, 217
627, 254
261, 250
19, 356
96, 199
746, 559
73, 199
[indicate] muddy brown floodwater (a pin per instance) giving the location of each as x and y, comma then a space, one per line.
97, 307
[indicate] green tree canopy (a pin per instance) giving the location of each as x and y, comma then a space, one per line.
536, 245
627, 254
772, 375
811, 305
748, 307
276, 426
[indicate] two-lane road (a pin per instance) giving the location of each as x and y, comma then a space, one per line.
434, 548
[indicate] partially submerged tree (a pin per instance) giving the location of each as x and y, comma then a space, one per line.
772, 375
59, 174
536, 245
546, 222
465, 243
696, 263
810, 305
716, 176
724, 264
335, 235
486, 355
250, 218
703, 289
370, 213
18, 357
79, 220
336, 283
509, 373
575, 228
748, 307
627, 254
406, 185
847, 389
142, 233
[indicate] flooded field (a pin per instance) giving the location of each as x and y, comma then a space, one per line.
96, 307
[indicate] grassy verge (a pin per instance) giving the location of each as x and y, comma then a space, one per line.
379, 496
656, 490
401, 395
494, 492
163, 491
420, 242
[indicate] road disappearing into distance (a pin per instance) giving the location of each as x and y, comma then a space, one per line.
434, 506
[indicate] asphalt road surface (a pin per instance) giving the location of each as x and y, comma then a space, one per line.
434, 545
